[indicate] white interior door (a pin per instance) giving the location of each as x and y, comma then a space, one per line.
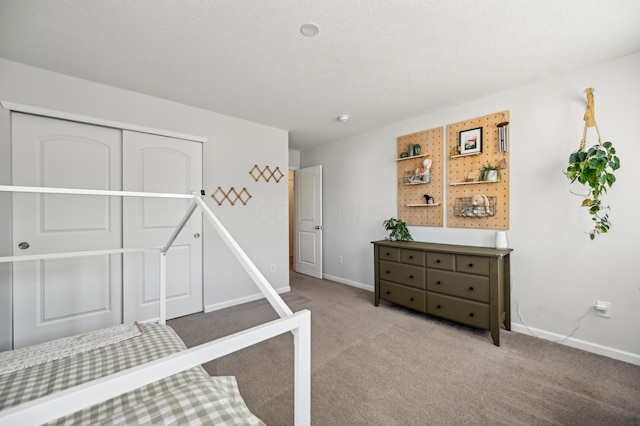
57, 298
308, 221
154, 163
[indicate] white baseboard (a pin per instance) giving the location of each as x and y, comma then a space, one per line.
578, 344
241, 300
349, 282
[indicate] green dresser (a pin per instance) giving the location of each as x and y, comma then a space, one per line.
465, 284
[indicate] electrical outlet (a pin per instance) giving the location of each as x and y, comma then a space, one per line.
603, 309
340, 260
273, 267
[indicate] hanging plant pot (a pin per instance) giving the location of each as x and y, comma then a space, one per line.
594, 168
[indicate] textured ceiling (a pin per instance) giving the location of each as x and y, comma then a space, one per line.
378, 61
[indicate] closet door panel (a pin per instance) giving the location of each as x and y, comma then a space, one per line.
61, 297
154, 163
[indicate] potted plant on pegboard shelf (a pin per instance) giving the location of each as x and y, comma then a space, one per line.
490, 173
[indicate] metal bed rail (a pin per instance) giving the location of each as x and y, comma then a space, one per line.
62, 403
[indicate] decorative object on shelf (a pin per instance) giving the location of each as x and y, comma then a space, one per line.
416, 149
231, 195
471, 141
490, 173
397, 230
428, 199
420, 175
267, 174
425, 170
473, 176
501, 240
404, 154
479, 205
594, 168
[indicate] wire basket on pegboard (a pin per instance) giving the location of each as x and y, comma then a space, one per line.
477, 206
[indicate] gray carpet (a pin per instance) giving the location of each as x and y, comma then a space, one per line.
387, 365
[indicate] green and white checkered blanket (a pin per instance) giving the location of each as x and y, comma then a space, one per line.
191, 397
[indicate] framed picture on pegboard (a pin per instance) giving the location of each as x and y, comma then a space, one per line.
471, 141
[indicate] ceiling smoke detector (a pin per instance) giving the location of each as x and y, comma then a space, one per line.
343, 118
309, 30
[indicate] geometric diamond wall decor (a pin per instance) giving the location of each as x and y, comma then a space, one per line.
232, 196
266, 173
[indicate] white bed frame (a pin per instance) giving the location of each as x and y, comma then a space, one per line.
62, 403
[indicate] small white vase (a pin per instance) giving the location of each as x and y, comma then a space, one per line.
501, 240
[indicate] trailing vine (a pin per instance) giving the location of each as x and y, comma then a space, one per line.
594, 168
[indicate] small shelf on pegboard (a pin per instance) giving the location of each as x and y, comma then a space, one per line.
473, 182
477, 206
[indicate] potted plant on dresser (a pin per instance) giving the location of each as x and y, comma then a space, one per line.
397, 230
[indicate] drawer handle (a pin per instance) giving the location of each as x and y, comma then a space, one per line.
437, 260
471, 314
470, 288
470, 265
388, 292
411, 257
388, 272
411, 277
438, 306
437, 282
411, 299
388, 254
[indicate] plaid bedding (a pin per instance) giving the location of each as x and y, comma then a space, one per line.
191, 397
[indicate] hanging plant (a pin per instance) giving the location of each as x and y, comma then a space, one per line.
594, 168
397, 230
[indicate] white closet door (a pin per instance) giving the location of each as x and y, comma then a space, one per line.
57, 298
161, 164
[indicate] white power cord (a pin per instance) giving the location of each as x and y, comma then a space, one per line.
578, 321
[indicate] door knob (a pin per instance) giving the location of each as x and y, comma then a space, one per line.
23, 245
319, 227
196, 235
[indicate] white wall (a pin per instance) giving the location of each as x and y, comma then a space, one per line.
294, 159
234, 147
557, 272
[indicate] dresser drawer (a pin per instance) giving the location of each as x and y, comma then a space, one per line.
461, 285
440, 260
389, 253
405, 296
467, 312
413, 257
472, 264
413, 276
